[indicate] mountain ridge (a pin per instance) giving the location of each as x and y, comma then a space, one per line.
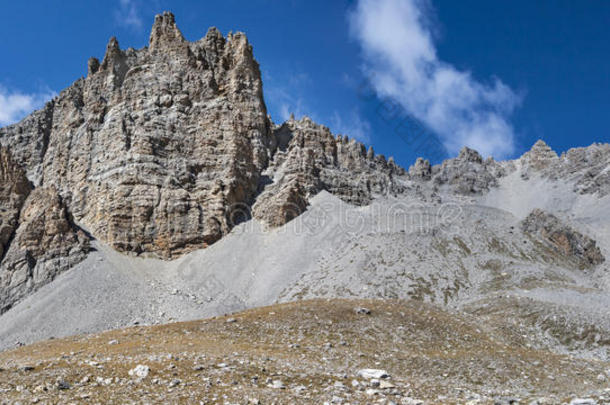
161, 152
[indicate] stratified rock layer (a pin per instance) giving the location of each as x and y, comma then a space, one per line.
153, 149
563, 238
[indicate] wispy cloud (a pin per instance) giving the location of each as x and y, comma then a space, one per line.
402, 62
14, 105
286, 97
352, 125
128, 14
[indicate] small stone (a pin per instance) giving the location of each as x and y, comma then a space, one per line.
383, 384
371, 391
277, 384
140, 371
63, 385
370, 373
362, 311
583, 401
411, 401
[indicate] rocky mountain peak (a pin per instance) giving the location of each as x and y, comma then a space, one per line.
539, 156
470, 155
165, 33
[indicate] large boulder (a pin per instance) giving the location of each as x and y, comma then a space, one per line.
563, 238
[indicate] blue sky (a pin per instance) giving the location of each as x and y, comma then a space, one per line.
496, 76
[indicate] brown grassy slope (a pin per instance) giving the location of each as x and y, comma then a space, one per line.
319, 345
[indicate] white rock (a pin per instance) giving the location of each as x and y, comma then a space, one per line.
386, 384
278, 384
583, 401
370, 373
140, 371
411, 401
371, 391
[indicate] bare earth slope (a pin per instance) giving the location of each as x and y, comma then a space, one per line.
306, 352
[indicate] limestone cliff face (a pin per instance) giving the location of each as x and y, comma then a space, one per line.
152, 149
163, 150
14, 189
45, 244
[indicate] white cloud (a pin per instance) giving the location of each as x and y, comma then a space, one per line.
15, 105
402, 63
289, 96
128, 14
354, 126
286, 97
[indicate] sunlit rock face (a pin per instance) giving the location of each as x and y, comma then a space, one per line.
152, 149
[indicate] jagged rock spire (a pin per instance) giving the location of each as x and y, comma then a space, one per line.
113, 54
370, 154
93, 65
164, 32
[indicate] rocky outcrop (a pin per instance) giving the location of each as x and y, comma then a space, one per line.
540, 157
45, 244
421, 170
468, 173
563, 238
586, 168
152, 149
589, 168
307, 159
14, 189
